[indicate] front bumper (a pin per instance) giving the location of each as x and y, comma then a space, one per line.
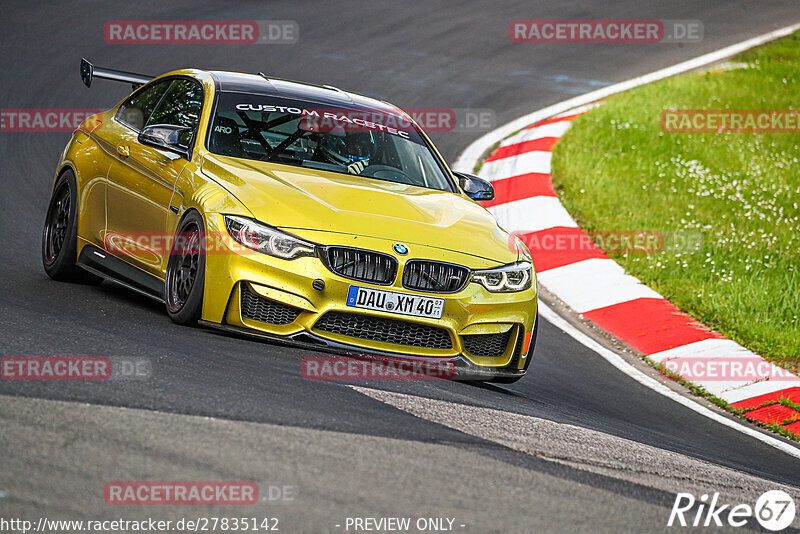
263, 279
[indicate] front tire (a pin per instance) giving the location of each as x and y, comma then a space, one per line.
60, 234
186, 271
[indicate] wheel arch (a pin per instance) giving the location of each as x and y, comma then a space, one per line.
62, 169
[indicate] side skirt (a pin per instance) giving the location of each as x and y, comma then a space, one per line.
113, 269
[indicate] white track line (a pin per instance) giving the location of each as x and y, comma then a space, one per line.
626, 368
469, 159
555, 129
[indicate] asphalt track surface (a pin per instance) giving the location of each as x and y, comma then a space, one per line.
385, 450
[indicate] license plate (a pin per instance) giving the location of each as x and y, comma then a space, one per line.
390, 301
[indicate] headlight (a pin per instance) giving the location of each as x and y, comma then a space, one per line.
506, 279
263, 238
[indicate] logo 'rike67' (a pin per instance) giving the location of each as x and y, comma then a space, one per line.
774, 510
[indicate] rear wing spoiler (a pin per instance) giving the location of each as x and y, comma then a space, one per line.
89, 72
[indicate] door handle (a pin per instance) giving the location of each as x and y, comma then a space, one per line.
123, 150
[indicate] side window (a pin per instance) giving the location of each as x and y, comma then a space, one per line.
181, 105
137, 109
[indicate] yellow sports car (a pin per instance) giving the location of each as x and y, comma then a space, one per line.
293, 212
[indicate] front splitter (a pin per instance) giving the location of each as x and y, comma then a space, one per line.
464, 369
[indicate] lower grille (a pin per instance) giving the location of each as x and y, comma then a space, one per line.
384, 330
258, 308
487, 345
362, 265
425, 275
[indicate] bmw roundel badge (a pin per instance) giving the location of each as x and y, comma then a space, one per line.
400, 249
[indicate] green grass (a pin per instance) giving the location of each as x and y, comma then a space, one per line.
789, 404
616, 170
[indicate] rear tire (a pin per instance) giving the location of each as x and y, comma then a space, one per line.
186, 271
60, 234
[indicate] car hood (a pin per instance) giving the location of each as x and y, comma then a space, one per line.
300, 198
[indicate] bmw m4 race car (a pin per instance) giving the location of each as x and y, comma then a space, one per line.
294, 212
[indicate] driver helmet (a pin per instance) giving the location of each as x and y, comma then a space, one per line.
348, 149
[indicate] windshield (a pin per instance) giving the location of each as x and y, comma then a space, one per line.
369, 143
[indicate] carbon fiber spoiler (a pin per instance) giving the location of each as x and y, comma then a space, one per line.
89, 72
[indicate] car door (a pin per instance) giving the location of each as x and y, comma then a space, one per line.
142, 178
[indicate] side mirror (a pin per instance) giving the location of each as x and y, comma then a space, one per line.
167, 137
476, 188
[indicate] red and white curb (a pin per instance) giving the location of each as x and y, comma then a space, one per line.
596, 287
